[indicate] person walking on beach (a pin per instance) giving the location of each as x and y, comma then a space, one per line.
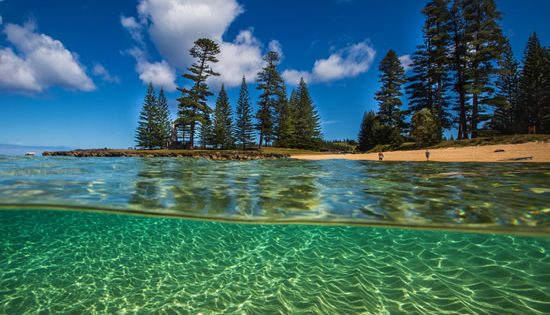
427, 155
380, 156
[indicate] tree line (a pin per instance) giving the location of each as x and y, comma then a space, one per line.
281, 120
464, 75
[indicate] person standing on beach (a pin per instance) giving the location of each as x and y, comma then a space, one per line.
427, 155
380, 156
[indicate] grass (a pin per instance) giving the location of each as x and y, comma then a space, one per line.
511, 139
290, 151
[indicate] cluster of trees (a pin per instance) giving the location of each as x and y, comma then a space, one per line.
154, 126
464, 75
280, 120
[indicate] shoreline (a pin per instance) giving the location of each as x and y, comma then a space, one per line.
229, 155
525, 152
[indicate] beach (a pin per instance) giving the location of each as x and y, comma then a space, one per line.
524, 152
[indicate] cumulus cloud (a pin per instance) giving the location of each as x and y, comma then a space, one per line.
406, 62
348, 62
241, 57
275, 46
174, 25
99, 70
38, 61
160, 74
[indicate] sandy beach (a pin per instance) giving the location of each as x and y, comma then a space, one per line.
539, 151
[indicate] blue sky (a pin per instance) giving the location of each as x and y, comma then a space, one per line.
72, 73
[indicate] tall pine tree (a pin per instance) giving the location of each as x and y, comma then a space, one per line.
270, 83
391, 78
505, 116
285, 121
163, 126
534, 107
485, 42
145, 133
307, 127
430, 82
222, 129
192, 105
244, 128
459, 65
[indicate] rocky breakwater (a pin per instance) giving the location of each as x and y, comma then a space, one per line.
205, 154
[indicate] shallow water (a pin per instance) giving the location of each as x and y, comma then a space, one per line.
456, 195
101, 263
78, 260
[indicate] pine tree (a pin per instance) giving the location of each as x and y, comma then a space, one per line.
270, 83
192, 105
223, 127
306, 119
505, 116
485, 42
534, 87
430, 81
244, 129
163, 124
391, 78
366, 138
459, 64
145, 133
285, 121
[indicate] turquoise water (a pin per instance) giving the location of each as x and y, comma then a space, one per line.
343, 261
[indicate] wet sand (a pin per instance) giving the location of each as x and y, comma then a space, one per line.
538, 151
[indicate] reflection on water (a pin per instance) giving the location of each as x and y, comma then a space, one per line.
312, 191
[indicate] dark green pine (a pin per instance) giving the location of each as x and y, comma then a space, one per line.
485, 42
244, 128
306, 119
391, 78
222, 129
163, 123
505, 116
534, 106
270, 84
145, 133
192, 106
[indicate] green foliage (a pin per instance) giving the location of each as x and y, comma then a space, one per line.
163, 126
145, 133
430, 81
244, 129
306, 119
534, 105
391, 78
222, 131
505, 116
270, 84
366, 139
485, 40
284, 122
425, 128
192, 104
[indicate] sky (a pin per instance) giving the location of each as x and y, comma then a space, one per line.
74, 73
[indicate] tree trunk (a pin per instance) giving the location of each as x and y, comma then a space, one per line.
474, 115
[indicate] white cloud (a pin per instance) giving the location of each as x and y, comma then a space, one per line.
293, 76
133, 27
40, 62
16, 74
174, 25
275, 46
241, 57
160, 74
344, 63
406, 62
100, 71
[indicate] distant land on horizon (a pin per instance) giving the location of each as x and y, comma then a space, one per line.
15, 149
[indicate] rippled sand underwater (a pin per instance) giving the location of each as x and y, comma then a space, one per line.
85, 262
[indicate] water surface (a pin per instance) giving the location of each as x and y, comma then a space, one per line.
459, 195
